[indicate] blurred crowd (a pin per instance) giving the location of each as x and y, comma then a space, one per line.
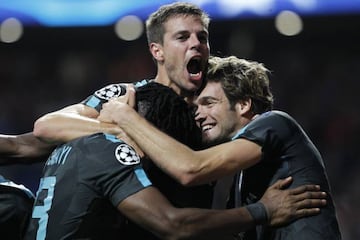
314, 78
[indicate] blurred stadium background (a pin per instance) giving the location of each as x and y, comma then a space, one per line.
56, 52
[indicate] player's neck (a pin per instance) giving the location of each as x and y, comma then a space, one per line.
164, 80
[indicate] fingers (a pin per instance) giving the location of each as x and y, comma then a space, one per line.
128, 98
130, 90
282, 183
307, 212
309, 203
310, 195
290, 204
311, 200
304, 188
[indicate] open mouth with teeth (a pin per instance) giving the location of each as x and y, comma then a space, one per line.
194, 68
206, 128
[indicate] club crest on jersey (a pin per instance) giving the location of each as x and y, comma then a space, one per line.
110, 91
126, 155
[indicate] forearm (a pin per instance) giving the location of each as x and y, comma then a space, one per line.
167, 222
187, 166
23, 148
69, 123
213, 224
175, 158
64, 127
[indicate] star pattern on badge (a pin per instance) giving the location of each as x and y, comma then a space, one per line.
110, 91
126, 155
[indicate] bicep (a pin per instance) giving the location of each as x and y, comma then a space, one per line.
80, 109
229, 158
245, 153
66, 124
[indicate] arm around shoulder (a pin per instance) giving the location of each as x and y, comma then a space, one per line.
69, 123
23, 148
167, 222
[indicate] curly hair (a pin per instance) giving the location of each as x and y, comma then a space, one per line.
161, 106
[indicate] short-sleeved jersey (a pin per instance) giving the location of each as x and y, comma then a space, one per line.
15, 209
287, 151
82, 184
178, 195
103, 95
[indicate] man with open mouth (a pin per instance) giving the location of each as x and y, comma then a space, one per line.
178, 42
177, 37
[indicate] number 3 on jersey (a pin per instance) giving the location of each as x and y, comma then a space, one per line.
44, 196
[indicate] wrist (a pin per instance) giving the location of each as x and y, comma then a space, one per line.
258, 213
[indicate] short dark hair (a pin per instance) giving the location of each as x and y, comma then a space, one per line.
155, 23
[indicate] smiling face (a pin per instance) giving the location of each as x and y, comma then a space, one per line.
216, 119
182, 58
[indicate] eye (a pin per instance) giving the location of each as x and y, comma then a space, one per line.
203, 38
209, 103
182, 37
214, 100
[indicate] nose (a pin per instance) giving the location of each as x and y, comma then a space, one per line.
194, 41
199, 115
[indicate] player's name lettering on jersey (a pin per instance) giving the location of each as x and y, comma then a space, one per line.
59, 156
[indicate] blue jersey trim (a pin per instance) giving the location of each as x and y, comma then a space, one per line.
8, 183
141, 175
241, 131
111, 137
141, 83
93, 102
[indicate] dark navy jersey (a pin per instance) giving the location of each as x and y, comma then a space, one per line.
83, 182
104, 94
178, 195
287, 151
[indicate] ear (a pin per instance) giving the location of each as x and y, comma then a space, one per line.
157, 51
243, 107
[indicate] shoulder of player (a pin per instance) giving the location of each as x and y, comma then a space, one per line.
97, 138
96, 142
102, 144
280, 122
116, 89
274, 114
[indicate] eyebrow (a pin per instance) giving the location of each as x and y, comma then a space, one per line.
206, 99
187, 31
180, 32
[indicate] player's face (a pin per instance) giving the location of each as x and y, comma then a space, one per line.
216, 120
185, 52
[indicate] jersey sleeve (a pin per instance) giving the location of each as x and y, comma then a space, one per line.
116, 167
7, 185
267, 130
101, 96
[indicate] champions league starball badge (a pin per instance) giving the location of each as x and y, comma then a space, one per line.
126, 155
110, 91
